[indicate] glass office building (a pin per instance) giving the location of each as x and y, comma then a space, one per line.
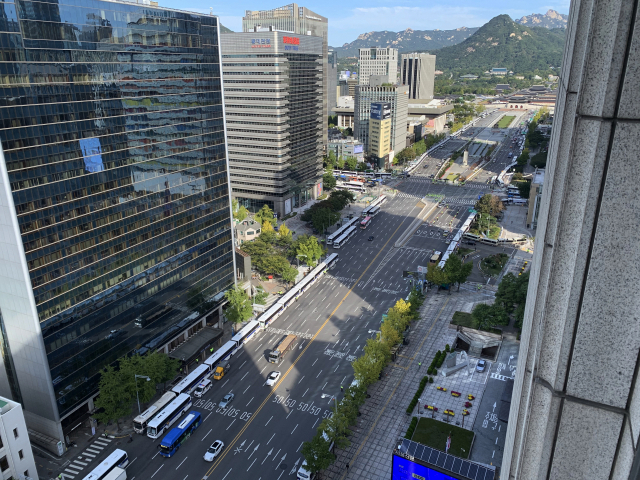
114, 192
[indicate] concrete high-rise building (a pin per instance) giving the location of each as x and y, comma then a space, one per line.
417, 71
301, 21
396, 97
575, 410
332, 80
274, 118
114, 194
378, 61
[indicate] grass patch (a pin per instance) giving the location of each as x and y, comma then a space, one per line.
452, 176
434, 433
464, 251
494, 264
505, 121
463, 319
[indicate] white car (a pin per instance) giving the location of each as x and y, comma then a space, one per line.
272, 378
226, 400
213, 451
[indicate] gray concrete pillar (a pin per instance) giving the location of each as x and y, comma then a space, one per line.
576, 401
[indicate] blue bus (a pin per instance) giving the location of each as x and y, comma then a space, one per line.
176, 437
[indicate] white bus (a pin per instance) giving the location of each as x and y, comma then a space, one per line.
345, 237
191, 381
365, 223
338, 233
118, 458
519, 201
351, 186
374, 211
141, 421
169, 415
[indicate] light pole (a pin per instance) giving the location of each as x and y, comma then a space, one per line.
136, 380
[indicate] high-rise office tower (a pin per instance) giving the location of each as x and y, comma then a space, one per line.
417, 70
396, 98
301, 21
114, 193
274, 117
378, 61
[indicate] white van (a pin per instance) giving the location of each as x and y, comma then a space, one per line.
202, 388
303, 473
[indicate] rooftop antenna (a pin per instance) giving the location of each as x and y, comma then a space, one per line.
210, 10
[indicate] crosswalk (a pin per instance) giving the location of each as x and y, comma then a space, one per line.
83, 460
460, 201
426, 180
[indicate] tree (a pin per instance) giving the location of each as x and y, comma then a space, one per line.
265, 214
456, 271
488, 316
115, 400
284, 236
480, 109
436, 275
416, 299
317, 454
323, 218
348, 132
489, 205
267, 227
340, 163
239, 212
239, 308
260, 297
289, 274
328, 181
197, 302
389, 333
309, 249
524, 188
351, 163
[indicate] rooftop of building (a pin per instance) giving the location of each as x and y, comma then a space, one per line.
538, 176
191, 349
428, 107
248, 224
291, 10
348, 140
6, 405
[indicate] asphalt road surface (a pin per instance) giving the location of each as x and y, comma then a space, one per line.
263, 428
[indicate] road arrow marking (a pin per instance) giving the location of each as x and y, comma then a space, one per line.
494, 406
254, 451
281, 460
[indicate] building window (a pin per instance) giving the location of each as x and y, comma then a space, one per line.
1, 444
26, 473
20, 454
4, 465
15, 433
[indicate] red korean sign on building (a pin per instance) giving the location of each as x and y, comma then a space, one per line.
291, 40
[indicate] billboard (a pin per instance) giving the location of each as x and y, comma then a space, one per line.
358, 148
405, 469
380, 111
92, 153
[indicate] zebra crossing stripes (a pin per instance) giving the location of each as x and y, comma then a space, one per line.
77, 465
460, 201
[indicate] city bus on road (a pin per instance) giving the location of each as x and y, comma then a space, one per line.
180, 434
169, 415
435, 257
191, 381
118, 458
141, 421
365, 223
351, 186
374, 211
338, 233
344, 238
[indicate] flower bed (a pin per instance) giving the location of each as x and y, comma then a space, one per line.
449, 412
455, 394
442, 389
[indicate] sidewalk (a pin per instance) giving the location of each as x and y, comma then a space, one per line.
384, 419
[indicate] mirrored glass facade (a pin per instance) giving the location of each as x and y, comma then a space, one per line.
112, 126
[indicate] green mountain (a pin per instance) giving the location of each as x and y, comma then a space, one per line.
224, 29
503, 43
407, 41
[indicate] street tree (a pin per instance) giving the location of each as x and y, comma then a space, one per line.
260, 296
289, 274
340, 163
115, 400
285, 237
489, 205
457, 272
436, 275
310, 250
351, 163
488, 316
389, 333
416, 299
336, 427
239, 308
265, 214
317, 454
328, 181
267, 227
323, 218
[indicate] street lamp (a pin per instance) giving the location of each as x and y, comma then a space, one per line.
136, 380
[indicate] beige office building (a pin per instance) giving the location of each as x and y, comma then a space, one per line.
378, 61
380, 130
417, 71
302, 21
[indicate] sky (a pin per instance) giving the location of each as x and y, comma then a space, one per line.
349, 19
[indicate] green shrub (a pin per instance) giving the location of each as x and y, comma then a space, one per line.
447, 348
412, 427
430, 379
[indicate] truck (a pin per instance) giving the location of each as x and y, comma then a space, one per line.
277, 354
221, 369
116, 474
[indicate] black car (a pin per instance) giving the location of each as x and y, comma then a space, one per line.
471, 243
370, 238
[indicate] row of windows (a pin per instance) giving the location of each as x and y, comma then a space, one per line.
260, 147
256, 139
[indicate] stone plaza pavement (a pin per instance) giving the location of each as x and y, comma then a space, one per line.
384, 419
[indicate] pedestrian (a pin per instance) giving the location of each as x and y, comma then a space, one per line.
341, 388
419, 364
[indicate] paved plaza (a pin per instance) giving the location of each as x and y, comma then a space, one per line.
384, 419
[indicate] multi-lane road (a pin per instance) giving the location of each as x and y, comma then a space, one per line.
263, 428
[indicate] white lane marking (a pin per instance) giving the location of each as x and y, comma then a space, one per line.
319, 373
268, 421
227, 474
300, 380
231, 424
206, 435
270, 438
250, 401
305, 392
294, 429
185, 459
157, 471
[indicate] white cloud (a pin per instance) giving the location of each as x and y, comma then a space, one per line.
395, 19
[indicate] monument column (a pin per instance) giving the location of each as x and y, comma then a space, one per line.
576, 402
